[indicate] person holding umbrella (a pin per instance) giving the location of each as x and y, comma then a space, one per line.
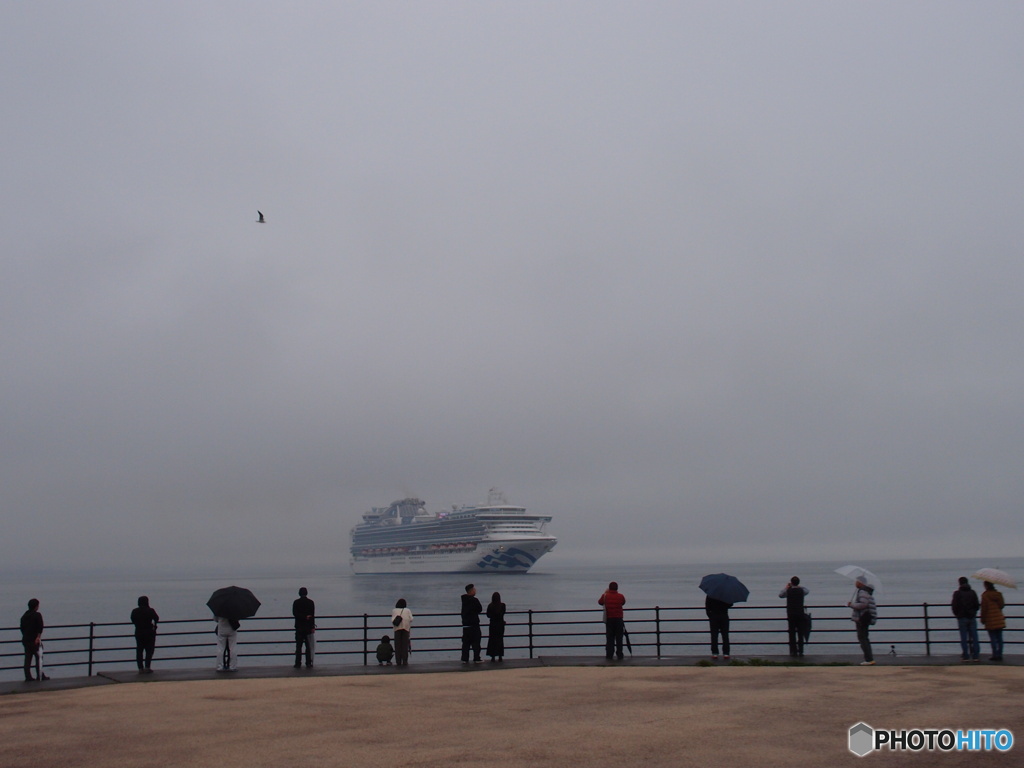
992, 606
229, 606
864, 615
227, 643
992, 618
722, 592
718, 622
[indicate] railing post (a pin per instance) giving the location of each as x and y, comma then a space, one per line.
927, 633
657, 630
92, 635
366, 639
529, 631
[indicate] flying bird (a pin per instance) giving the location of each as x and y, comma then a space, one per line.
260, 220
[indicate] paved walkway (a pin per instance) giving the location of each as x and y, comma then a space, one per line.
547, 713
348, 670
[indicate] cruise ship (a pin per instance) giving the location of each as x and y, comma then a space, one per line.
494, 538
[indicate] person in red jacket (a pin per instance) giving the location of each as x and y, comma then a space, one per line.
613, 600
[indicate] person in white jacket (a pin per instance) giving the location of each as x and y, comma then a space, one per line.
227, 642
401, 621
863, 605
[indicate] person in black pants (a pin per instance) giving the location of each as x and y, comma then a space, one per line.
496, 629
471, 635
145, 620
304, 611
795, 616
718, 619
32, 640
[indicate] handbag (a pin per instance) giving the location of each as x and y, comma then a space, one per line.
807, 624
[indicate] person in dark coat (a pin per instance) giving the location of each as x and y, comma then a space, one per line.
992, 618
965, 605
796, 618
145, 620
304, 611
385, 651
496, 629
718, 620
471, 610
32, 641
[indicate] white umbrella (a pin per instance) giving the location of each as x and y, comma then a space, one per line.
863, 575
996, 577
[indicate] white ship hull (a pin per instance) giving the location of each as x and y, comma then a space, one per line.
485, 557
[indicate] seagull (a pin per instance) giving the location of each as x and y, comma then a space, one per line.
260, 220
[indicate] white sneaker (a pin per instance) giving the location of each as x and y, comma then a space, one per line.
867, 663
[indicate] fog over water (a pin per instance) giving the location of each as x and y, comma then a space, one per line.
707, 282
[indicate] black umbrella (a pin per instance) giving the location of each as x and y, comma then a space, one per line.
233, 603
625, 636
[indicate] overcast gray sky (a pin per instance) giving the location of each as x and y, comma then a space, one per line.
705, 281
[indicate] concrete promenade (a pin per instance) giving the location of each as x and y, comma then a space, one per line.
551, 711
348, 670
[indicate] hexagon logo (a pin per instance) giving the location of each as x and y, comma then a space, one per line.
862, 739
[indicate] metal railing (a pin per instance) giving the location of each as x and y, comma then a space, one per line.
904, 629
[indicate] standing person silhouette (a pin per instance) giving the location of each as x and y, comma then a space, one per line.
32, 641
304, 612
471, 610
401, 620
795, 616
227, 644
496, 628
965, 605
718, 621
614, 626
992, 618
864, 615
145, 620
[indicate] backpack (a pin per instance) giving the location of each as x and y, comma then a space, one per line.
871, 610
794, 601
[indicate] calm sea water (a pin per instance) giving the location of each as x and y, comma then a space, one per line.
81, 598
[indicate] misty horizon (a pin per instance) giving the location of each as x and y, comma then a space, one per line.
711, 281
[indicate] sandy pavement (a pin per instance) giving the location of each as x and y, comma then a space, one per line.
539, 717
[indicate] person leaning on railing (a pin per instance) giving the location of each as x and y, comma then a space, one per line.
614, 627
32, 640
401, 620
992, 618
